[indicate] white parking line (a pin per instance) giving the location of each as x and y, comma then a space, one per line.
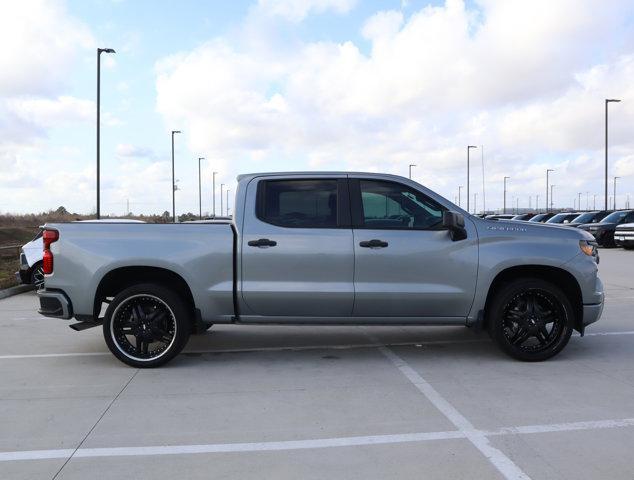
300, 348
266, 349
311, 443
478, 438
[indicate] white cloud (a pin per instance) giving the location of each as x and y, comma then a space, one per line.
526, 79
127, 150
297, 10
40, 42
55, 112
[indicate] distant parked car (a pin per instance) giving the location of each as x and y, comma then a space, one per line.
31, 255
604, 230
542, 217
500, 216
524, 217
564, 217
31, 262
624, 235
589, 217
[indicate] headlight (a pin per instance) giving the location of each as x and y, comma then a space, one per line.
588, 247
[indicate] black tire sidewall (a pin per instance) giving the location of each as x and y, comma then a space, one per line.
495, 321
181, 314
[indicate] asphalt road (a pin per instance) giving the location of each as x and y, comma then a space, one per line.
319, 402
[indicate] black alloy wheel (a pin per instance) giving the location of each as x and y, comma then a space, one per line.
37, 275
531, 319
146, 325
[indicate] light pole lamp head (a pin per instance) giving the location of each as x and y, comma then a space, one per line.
471, 146
610, 100
175, 131
106, 50
201, 158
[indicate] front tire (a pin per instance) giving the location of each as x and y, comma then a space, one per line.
146, 325
530, 319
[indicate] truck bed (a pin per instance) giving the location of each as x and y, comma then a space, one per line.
202, 254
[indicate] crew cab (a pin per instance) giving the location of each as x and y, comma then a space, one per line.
323, 249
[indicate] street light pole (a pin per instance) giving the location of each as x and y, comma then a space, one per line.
547, 172
551, 198
469, 147
504, 208
614, 193
579, 202
594, 201
200, 192
173, 180
410, 170
99, 52
222, 185
459, 194
607, 100
213, 192
537, 203
484, 197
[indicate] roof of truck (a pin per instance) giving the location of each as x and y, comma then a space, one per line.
305, 173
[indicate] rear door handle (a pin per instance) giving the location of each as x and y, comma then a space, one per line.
373, 244
262, 242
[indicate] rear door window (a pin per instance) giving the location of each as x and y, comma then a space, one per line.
302, 203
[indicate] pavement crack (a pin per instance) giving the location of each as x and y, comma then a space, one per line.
96, 423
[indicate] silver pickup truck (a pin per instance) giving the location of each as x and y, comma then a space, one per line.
323, 249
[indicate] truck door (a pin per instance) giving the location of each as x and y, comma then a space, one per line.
297, 250
406, 264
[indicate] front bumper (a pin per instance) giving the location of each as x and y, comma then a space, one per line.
624, 238
55, 303
592, 312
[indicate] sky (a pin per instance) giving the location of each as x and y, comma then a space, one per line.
278, 85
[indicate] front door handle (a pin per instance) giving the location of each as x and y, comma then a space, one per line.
373, 244
262, 242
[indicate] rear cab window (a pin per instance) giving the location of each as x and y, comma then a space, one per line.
303, 203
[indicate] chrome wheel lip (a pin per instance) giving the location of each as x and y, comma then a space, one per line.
534, 321
114, 338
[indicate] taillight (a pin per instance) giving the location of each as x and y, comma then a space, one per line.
48, 237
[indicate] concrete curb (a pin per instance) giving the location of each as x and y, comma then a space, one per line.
9, 292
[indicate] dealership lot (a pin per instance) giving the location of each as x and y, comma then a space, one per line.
319, 402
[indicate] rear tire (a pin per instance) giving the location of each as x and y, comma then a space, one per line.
146, 325
530, 319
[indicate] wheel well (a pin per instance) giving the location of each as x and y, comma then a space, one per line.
563, 279
121, 278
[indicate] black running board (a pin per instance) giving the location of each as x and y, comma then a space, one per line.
78, 327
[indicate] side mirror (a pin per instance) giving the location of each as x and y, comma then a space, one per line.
454, 222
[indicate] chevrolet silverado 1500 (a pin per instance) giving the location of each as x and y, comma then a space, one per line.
323, 249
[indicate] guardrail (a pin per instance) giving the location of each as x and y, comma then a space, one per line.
10, 251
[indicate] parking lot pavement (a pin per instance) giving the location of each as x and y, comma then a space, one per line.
319, 402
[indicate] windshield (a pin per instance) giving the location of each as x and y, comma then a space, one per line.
585, 217
537, 218
614, 217
559, 218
